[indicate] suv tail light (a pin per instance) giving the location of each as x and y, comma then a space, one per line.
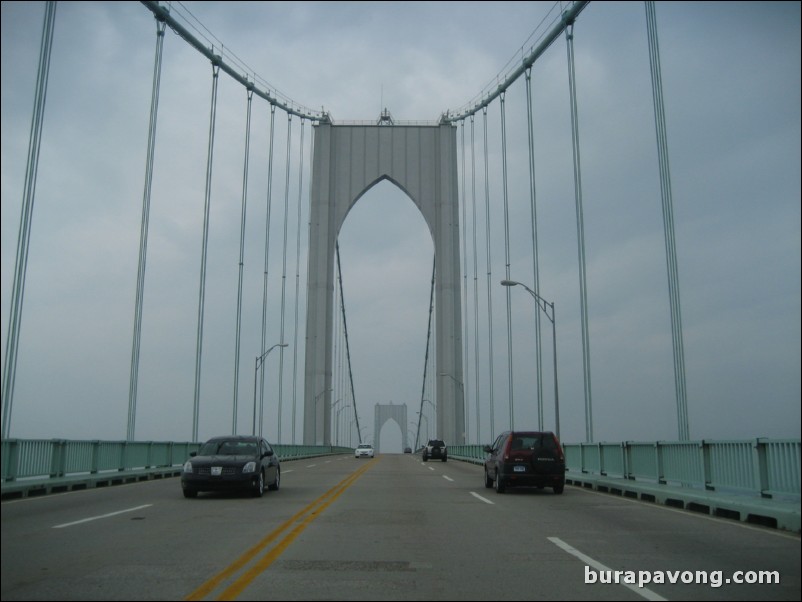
560, 454
507, 447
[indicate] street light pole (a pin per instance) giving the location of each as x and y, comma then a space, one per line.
545, 306
259, 361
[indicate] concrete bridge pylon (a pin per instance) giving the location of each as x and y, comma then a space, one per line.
349, 160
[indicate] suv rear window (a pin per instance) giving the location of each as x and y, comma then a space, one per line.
533, 441
436, 443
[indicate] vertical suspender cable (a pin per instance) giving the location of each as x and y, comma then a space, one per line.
432, 368
336, 383
241, 258
284, 274
297, 284
489, 280
340, 336
466, 347
267, 258
26, 216
339, 362
204, 251
426, 359
668, 225
347, 346
580, 228
143, 232
475, 285
535, 259
507, 251
309, 229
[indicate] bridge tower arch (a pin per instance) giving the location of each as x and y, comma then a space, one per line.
348, 160
383, 414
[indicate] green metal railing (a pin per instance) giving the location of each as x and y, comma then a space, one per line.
35, 459
763, 467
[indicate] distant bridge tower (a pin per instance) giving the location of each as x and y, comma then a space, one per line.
349, 160
384, 413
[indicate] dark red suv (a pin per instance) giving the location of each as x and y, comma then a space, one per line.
525, 458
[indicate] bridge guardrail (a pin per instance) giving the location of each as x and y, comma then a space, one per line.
755, 480
762, 467
44, 463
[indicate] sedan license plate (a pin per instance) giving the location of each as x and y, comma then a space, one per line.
519, 468
217, 471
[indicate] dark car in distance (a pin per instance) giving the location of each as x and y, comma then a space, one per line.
525, 459
232, 464
435, 450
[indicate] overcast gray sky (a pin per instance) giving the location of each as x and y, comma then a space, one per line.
731, 73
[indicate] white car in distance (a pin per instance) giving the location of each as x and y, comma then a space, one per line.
365, 450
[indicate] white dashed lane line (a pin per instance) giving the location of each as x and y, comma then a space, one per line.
92, 518
479, 497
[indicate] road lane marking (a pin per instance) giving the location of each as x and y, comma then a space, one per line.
644, 592
311, 465
448, 478
430, 468
479, 497
86, 520
313, 509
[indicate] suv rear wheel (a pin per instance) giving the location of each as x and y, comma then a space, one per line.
501, 487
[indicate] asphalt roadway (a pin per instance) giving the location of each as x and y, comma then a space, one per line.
392, 528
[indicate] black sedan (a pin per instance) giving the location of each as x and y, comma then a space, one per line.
231, 464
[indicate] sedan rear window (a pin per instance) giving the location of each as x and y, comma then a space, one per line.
228, 448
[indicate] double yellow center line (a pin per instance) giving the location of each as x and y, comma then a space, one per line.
303, 519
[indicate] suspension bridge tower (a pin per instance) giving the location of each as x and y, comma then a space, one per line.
348, 160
